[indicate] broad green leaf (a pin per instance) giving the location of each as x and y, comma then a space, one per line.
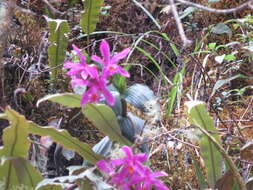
58, 44
105, 120
51, 184
15, 141
16, 172
199, 116
66, 99
90, 16
65, 139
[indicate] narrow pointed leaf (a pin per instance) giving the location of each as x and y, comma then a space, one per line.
174, 93
16, 172
199, 116
90, 16
65, 139
59, 42
66, 99
105, 120
200, 176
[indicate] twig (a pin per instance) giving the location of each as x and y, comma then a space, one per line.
186, 41
52, 8
224, 11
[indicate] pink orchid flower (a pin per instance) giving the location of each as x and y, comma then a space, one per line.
109, 63
97, 87
129, 173
89, 75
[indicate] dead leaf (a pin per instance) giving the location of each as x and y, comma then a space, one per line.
226, 182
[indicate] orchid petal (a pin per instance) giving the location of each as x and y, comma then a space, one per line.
97, 59
80, 82
92, 70
104, 166
85, 98
79, 53
121, 55
105, 51
128, 151
159, 174
160, 186
123, 72
108, 96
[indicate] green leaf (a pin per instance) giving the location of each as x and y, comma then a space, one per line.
66, 99
175, 92
200, 176
230, 57
58, 44
199, 116
105, 120
51, 184
86, 180
90, 16
220, 83
188, 11
65, 139
16, 143
149, 56
221, 28
212, 46
119, 81
16, 172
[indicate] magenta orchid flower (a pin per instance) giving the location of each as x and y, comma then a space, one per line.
97, 87
129, 173
89, 75
148, 180
80, 70
109, 63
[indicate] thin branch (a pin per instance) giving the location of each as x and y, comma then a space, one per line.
186, 41
52, 8
224, 11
